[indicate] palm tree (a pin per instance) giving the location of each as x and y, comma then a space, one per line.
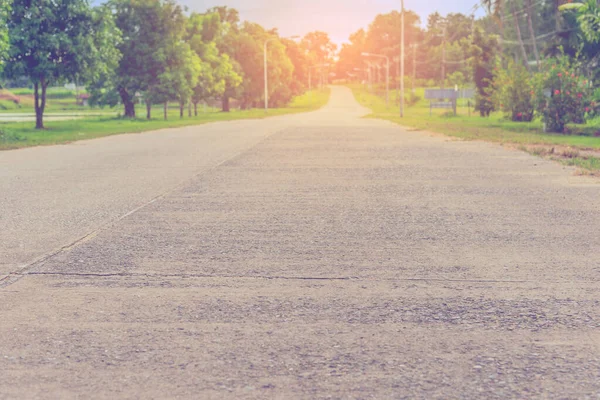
588, 16
496, 8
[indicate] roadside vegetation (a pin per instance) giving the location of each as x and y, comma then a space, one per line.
529, 71
581, 148
22, 134
145, 56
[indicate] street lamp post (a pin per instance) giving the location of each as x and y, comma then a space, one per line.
402, 60
387, 75
267, 76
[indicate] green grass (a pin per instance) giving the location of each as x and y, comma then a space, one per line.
473, 127
22, 134
58, 99
589, 163
7, 105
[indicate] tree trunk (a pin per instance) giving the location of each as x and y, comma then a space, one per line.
226, 105
190, 108
40, 103
181, 108
196, 109
128, 103
532, 32
166, 109
519, 36
39, 122
557, 13
148, 110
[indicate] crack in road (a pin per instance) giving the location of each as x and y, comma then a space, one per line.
23, 271
266, 277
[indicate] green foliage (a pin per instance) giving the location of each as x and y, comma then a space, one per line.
513, 92
17, 135
4, 40
179, 77
151, 29
58, 40
484, 53
6, 136
562, 95
8, 105
588, 17
457, 78
216, 69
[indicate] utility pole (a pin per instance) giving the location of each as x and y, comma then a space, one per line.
414, 78
397, 80
266, 76
402, 60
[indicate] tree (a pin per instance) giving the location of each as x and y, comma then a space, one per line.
484, 50
319, 46
58, 40
301, 63
216, 69
588, 17
177, 80
151, 28
4, 13
232, 43
280, 69
350, 57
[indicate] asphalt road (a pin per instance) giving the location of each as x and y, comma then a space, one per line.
310, 256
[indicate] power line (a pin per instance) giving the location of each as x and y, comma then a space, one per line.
541, 37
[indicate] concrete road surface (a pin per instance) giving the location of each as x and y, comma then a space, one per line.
314, 256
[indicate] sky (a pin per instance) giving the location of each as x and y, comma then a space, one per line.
339, 18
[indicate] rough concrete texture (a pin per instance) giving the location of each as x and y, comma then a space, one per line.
312, 257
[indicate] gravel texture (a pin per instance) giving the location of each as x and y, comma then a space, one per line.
320, 256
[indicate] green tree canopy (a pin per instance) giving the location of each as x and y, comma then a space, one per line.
216, 69
151, 29
58, 40
4, 14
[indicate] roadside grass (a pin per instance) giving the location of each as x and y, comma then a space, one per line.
57, 100
525, 136
15, 135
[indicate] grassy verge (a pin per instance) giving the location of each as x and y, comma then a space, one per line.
581, 150
22, 134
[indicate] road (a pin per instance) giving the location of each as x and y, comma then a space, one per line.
309, 256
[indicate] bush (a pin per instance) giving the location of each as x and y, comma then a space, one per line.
562, 95
513, 92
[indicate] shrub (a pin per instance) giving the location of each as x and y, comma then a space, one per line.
562, 95
513, 92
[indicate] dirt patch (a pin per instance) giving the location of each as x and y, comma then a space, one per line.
559, 153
